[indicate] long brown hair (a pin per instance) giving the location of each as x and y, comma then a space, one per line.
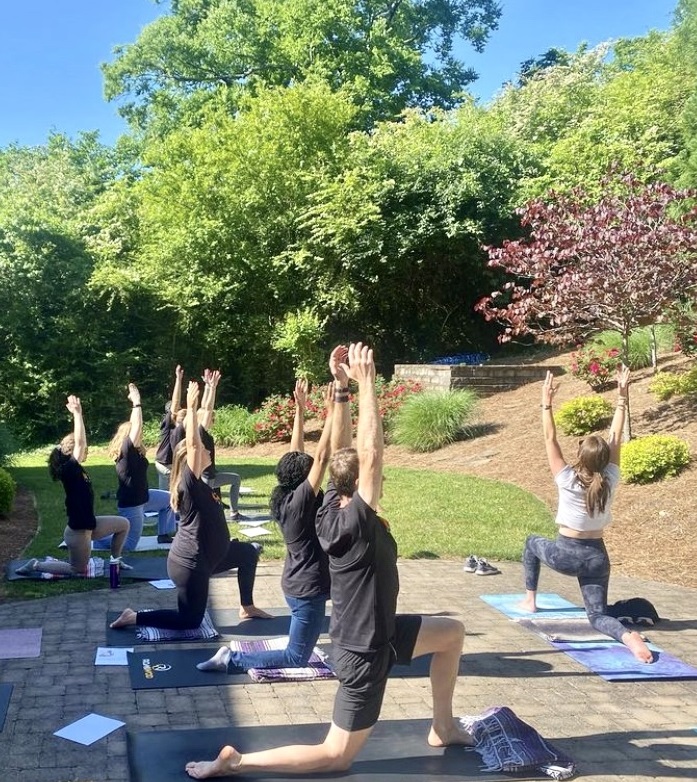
117, 440
178, 462
593, 458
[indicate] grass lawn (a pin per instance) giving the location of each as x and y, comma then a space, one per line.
431, 514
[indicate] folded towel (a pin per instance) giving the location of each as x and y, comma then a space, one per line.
506, 743
316, 667
205, 631
95, 569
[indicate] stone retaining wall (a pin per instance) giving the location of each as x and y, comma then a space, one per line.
484, 378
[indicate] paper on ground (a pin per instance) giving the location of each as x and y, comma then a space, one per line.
254, 532
111, 655
163, 583
252, 522
246, 490
89, 729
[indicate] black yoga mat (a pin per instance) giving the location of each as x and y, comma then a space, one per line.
228, 622
5, 695
127, 636
395, 752
167, 668
145, 568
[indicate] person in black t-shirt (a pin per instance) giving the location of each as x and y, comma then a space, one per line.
65, 465
165, 450
202, 545
305, 580
368, 637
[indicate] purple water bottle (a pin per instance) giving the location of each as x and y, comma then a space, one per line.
114, 573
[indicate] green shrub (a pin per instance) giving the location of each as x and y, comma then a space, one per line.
582, 415
653, 457
7, 492
234, 426
430, 420
639, 343
7, 445
667, 384
151, 432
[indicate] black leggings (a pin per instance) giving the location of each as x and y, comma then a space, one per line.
586, 559
192, 588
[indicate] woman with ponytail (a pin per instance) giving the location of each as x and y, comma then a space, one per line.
305, 581
586, 490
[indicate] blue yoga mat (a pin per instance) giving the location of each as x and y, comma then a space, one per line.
5, 696
613, 662
549, 606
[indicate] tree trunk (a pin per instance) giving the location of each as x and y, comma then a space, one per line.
627, 428
654, 350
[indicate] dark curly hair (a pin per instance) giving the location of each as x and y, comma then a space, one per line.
292, 469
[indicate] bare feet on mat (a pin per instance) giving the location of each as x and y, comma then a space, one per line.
127, 618
226, 763
451, 734
252, 612
218, 662
528, 605
635, 643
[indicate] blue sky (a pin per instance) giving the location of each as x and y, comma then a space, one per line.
50, 52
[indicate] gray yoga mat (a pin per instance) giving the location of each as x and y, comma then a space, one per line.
395, 752
5, 696
145, 568
228, 623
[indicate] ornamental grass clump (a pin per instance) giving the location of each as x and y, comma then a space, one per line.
234, 426
653, 457
583, 415
433, 419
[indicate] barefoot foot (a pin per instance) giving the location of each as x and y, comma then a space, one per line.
449, 734
127, 618
218, 662
252, 612
225, 764
528, 605
635, 643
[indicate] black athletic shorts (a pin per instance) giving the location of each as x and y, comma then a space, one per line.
363, 675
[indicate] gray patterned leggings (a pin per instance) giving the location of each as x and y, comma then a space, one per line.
586, 559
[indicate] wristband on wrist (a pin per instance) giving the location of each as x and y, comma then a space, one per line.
341, 397
340, 389
138, 405
546, 407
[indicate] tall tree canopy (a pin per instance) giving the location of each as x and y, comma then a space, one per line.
388, 54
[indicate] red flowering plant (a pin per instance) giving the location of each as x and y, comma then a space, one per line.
274, 419
596, 365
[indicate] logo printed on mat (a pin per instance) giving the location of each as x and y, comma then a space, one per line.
149, 669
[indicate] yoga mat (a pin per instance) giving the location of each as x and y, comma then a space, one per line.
145, 568
128, 636
548, 605
395, 752
96, 567
613, 662
20, 643
167, 668
228, 622
562, 629
5, 696
149, 543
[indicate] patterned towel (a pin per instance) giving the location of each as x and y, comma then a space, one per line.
316, 668
95, 569
204, 632
506, 743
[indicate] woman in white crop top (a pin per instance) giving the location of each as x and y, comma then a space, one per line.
586, 489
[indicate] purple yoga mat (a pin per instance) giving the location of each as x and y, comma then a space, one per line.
18, 643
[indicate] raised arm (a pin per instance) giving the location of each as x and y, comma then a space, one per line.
324, 449
297, 440
341, 424
136, 430
176, 404
211, 380
194, 446
549, 429
79, 435
369, 437
617, 425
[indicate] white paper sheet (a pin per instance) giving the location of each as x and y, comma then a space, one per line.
89, 729
111, 655
163, 583
254, 532
253, 522
246, 490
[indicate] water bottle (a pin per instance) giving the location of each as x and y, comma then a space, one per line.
114, 575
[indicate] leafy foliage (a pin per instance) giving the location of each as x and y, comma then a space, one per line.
234, 426
431, 420
7, 492
653, 457
667, 384
7, 445
583, 415
640, 343
274, 419
596, 366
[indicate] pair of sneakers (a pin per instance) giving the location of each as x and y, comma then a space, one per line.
479, 566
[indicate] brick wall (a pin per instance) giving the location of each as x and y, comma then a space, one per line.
484, 378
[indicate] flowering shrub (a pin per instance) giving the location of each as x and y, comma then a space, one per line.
595, 365
274, 419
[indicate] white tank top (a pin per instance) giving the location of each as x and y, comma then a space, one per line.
572, 511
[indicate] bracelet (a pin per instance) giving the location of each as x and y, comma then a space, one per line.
341, 398
341, 390
138, 405
546, 407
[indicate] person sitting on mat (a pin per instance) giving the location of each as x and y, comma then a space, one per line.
305, 581
368, 637
165, 449
206, 418
202, 546
586, 489
133, 497
65, 465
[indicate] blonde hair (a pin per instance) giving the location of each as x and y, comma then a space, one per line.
175, 476
117, 441
593, 458
343, 471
